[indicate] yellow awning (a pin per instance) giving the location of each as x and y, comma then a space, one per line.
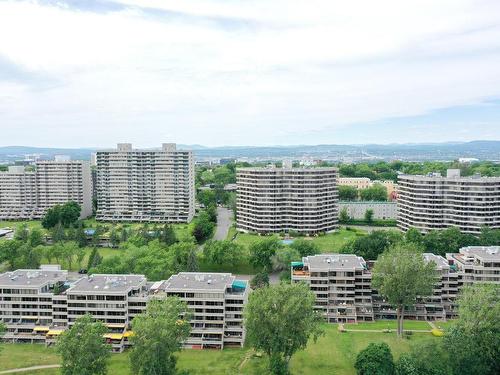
113, 336
128, 334
115, 325
41, 329
55, 332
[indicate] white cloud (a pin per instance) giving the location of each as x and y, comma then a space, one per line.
241, 72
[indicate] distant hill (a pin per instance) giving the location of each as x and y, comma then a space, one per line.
483, 150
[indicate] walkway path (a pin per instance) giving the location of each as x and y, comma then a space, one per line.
26, 369
224, 221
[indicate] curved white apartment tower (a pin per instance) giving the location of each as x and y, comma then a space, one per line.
272, 200
438, 202
145, 185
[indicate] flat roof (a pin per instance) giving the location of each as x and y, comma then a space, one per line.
199, 281
334, 262
107, 283
438, 259
31, 278
483, 252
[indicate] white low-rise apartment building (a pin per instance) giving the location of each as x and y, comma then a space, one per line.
273, 200
28, 195
145, 185
438, 202
216, 301
39, 305
342, 284
381, 210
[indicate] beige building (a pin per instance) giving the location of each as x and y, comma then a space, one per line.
216, 301
357, 182
18, 197
61, 181
145, 185
438, 202
342, 284
38, 305
273, 200
28, 195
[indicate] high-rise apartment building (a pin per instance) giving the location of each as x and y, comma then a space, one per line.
145, 185
28, 195
272, 200
61, 181
38, 305
438, 202
18, 198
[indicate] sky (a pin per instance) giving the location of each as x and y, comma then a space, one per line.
92, 73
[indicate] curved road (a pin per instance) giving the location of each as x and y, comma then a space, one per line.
224, 221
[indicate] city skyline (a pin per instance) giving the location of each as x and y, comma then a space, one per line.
248, 73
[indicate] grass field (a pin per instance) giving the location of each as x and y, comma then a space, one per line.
328, 243
333, 353
390, 324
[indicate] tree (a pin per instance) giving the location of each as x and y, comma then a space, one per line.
158, 334
167, 235
372, 245
280, 320
489, 237
35, 238
223, 252
284, 257
262, 251
83, 349
68, 251
375, 359
192, 262
425, 358
9, 252
58, 233
369, 216
377, 192
206, 197
94, 259
114, 238
347, 193
260, 280
203, 227
400, 275
52, 217
69, 213
344, 216
22, 233
2, 331
80, 236
413, 235
305, 248
474, 340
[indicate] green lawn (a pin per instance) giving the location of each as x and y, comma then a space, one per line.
444, 325
333, 353
328, 243
391, 324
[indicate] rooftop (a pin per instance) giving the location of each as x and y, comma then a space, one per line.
483, 252
294, 169
31, 278
107, 283
328, 262
441, 263
200, 281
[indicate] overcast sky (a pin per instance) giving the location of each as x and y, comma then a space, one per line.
248, 72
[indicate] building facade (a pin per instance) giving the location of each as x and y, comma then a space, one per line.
381, 210
145, 185
438, 202
18, 197
38, 305
273, 200
28, 195
342, 284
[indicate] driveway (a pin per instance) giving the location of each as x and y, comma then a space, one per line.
224, 221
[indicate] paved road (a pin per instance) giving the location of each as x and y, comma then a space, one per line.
26, 369
224, 221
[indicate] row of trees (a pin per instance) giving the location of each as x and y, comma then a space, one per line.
376, 192
470, 346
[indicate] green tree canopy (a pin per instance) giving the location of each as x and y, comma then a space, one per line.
347, 193
375, 359
425, 358
376, 192
305, 247
474, 340
400, 275
223, 252
369, 215
83, 349
280, 320
372, 245
158, 334
262, 251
